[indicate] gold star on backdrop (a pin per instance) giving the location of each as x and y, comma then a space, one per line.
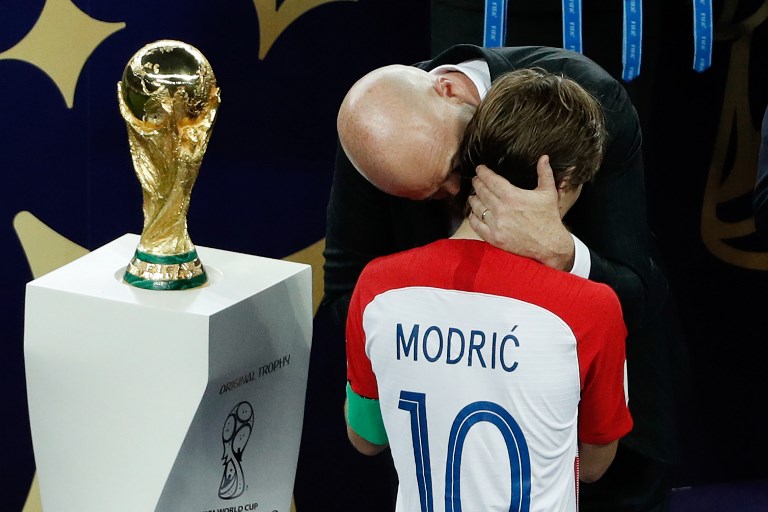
61, 42
274, 20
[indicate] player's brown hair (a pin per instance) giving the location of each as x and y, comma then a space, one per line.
528, 113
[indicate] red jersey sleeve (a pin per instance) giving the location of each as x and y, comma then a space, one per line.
603, 412
359, 371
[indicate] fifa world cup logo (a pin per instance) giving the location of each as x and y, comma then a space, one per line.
235, 434
169, 100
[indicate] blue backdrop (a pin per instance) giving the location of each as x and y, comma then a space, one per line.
283, 68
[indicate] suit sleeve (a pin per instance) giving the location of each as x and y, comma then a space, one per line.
611, 215
357, 230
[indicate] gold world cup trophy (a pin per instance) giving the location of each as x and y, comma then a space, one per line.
169, 100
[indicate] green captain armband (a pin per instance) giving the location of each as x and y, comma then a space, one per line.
364, 416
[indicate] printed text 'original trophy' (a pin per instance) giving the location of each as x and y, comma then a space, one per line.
169, 100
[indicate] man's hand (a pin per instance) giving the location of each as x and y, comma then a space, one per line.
524, 222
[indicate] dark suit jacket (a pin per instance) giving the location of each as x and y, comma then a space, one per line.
610, 218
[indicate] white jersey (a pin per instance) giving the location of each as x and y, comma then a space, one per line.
488, 369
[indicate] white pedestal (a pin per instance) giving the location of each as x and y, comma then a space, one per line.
187, 400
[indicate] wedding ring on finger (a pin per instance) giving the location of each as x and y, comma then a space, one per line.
482, 217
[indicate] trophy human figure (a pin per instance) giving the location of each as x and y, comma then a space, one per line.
169, 99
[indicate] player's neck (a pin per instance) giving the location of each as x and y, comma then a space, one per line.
465, 231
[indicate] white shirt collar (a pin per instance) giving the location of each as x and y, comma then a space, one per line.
476, 69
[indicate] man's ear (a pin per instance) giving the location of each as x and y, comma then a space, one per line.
445, 86
565, 180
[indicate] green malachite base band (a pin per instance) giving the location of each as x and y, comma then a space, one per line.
364, 416
175, 259
178, 284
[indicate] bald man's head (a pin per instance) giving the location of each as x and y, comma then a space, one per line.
401, 130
